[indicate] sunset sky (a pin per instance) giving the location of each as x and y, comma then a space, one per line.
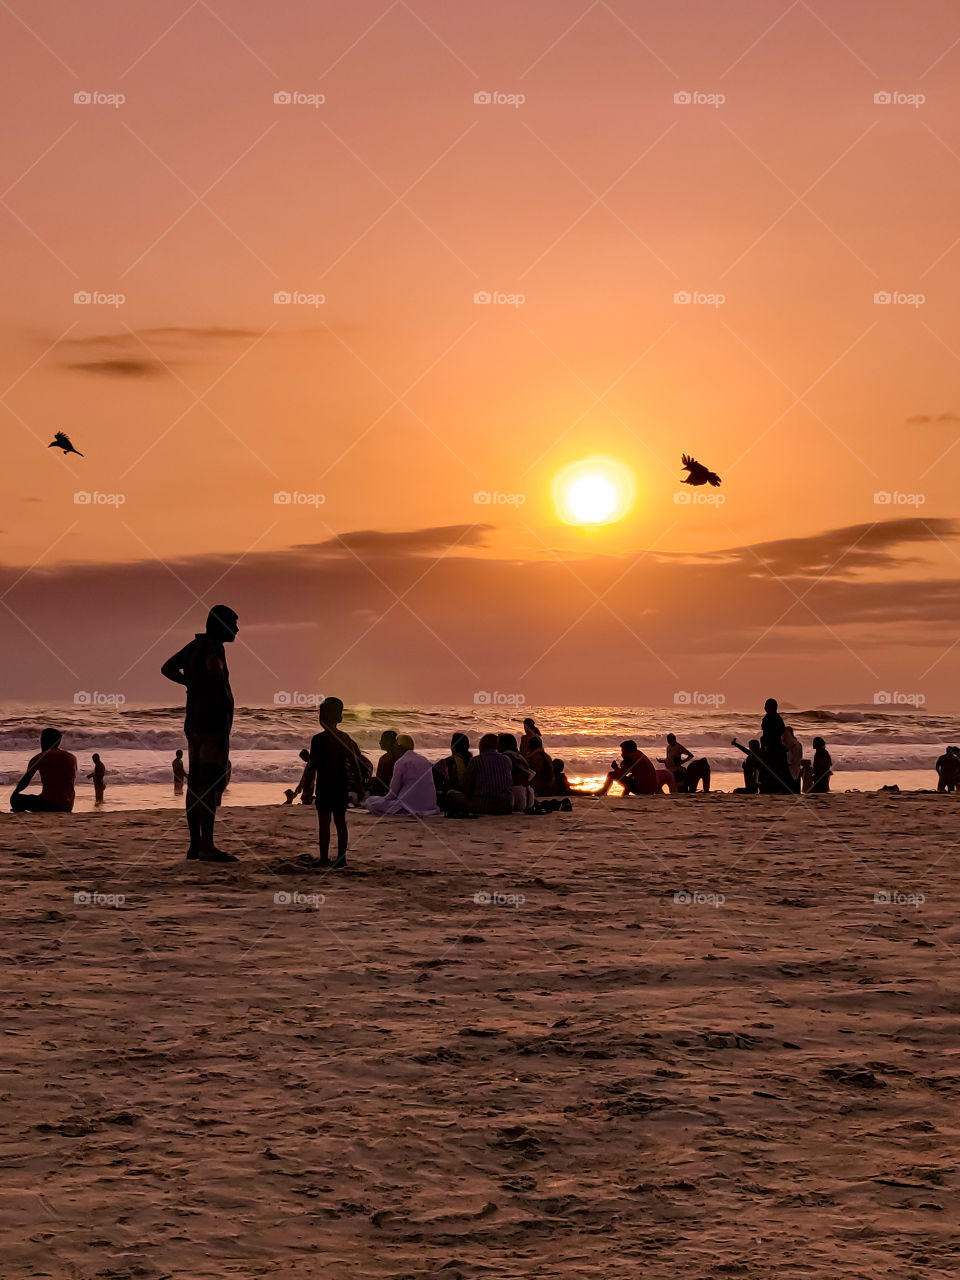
784, 197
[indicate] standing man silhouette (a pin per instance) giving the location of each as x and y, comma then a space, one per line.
201, 666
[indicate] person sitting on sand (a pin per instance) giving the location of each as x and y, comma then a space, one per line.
822, 767
561, 785
179, 773
806, 776
530, 730
336, 760
304, 788
380, 783
58, 778
412, 789
676, 754
522, 790
692, 774
542, 766
794, 751
775, 773
449, 773
948, 770
751, 767
635, 772
487, 784
98, 776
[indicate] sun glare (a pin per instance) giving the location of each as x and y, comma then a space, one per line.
594, 491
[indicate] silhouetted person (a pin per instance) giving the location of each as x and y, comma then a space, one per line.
775, 771
794, 750
823, 766
530, 730
561, 786
412, 789
337, 760
752, 766
692, 774
522, 791
179, 773
948, 770
58, 777
380, 783
635, 772
99, 775
676, 754
449, 773
304, 788
487, 784
201, 666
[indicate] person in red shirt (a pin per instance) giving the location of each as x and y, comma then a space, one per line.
635, 772
58, 776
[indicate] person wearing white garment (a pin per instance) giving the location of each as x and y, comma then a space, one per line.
412, 788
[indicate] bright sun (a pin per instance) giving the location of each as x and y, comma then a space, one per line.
594, 491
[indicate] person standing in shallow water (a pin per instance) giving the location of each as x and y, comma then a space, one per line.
179, 773
201, 666
99, 779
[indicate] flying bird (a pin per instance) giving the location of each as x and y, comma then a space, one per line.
698, 472
62, 441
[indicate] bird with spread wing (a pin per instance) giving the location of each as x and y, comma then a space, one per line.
62, 441
699, 474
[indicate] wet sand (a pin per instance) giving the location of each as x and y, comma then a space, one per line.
651, 1038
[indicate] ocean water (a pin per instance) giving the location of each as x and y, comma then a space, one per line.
871, 746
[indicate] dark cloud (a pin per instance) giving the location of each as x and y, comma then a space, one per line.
923, 419
119, 368
147, 353
412, 542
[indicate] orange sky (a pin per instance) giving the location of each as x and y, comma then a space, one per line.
598, 198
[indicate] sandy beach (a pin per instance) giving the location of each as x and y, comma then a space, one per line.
492, 1048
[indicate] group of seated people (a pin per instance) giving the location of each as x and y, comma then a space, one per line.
639, 776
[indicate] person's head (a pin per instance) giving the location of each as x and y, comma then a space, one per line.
529, 725
50, 738
388, 739
330, 713
557, 766
222, 623
507, 742
627, 747
535, 743
672, 739
305, 756
403, 743
179, 753
953, 751
770, 706
818, 743
755, 745
489, 742
460, 744
96, 758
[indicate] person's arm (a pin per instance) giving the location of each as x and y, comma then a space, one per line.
685, 752
28, 776
173, 668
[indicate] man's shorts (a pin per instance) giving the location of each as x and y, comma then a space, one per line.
208, 756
